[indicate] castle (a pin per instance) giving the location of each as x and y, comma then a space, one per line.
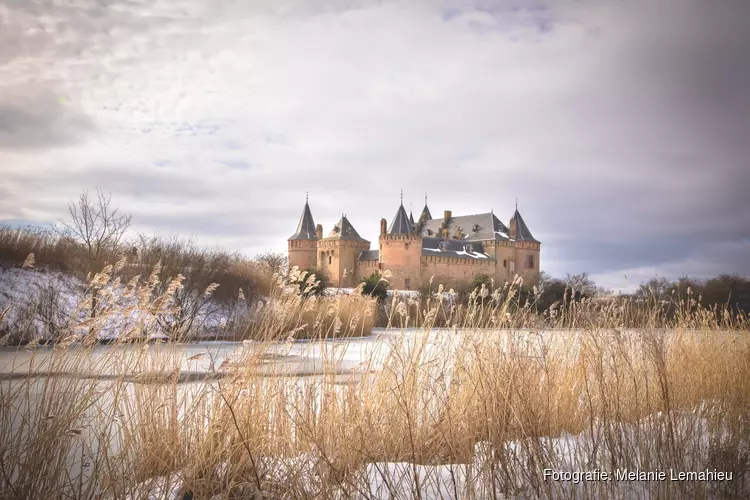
452, 249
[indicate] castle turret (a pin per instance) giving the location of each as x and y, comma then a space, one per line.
526, 249
302, 245
339, 252
401, 252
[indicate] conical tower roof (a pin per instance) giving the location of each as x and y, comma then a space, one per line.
401, 224
344, 230
306, 226
425, 215
522, 230
411, 218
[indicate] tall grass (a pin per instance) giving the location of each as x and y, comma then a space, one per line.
511, 306
472, 411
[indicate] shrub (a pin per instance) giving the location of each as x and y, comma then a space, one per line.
375, 286
479, 280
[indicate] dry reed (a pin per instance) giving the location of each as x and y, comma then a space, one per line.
477, 410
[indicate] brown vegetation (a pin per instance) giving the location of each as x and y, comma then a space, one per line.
494, 407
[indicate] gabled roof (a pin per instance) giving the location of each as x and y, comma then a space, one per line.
522, 230
306, 226
477, 227
343, 230
401, 224
425, 215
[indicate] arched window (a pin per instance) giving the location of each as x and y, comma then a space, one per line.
329, 259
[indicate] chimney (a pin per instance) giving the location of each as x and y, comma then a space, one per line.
383, 227
513, 228
319, 231
447, 215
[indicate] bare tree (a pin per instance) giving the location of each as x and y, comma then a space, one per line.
581, 283
96, 224
271, 261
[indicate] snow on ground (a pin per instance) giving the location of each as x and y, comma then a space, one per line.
41, 302
575, 459
334, 291
20, 288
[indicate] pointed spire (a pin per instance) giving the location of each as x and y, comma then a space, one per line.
522, 232
306, 226
401, 224
425, 215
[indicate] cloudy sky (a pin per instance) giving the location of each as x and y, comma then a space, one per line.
622, 128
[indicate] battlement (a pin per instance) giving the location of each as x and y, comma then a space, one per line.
302, 244
401, 237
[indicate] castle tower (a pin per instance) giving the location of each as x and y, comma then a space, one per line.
526, 250
339, 251
302, 245
401, 252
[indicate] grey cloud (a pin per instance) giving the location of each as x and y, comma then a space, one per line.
40, 120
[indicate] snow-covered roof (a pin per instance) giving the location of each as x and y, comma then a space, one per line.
454, 248
477, 227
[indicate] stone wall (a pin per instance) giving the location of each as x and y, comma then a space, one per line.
524, 251
365, 268
453, 272
402, 256
302, 253
337, 256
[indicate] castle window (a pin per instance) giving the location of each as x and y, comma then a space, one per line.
406, 246
407, 283
531, 262
505, 262
329, 259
